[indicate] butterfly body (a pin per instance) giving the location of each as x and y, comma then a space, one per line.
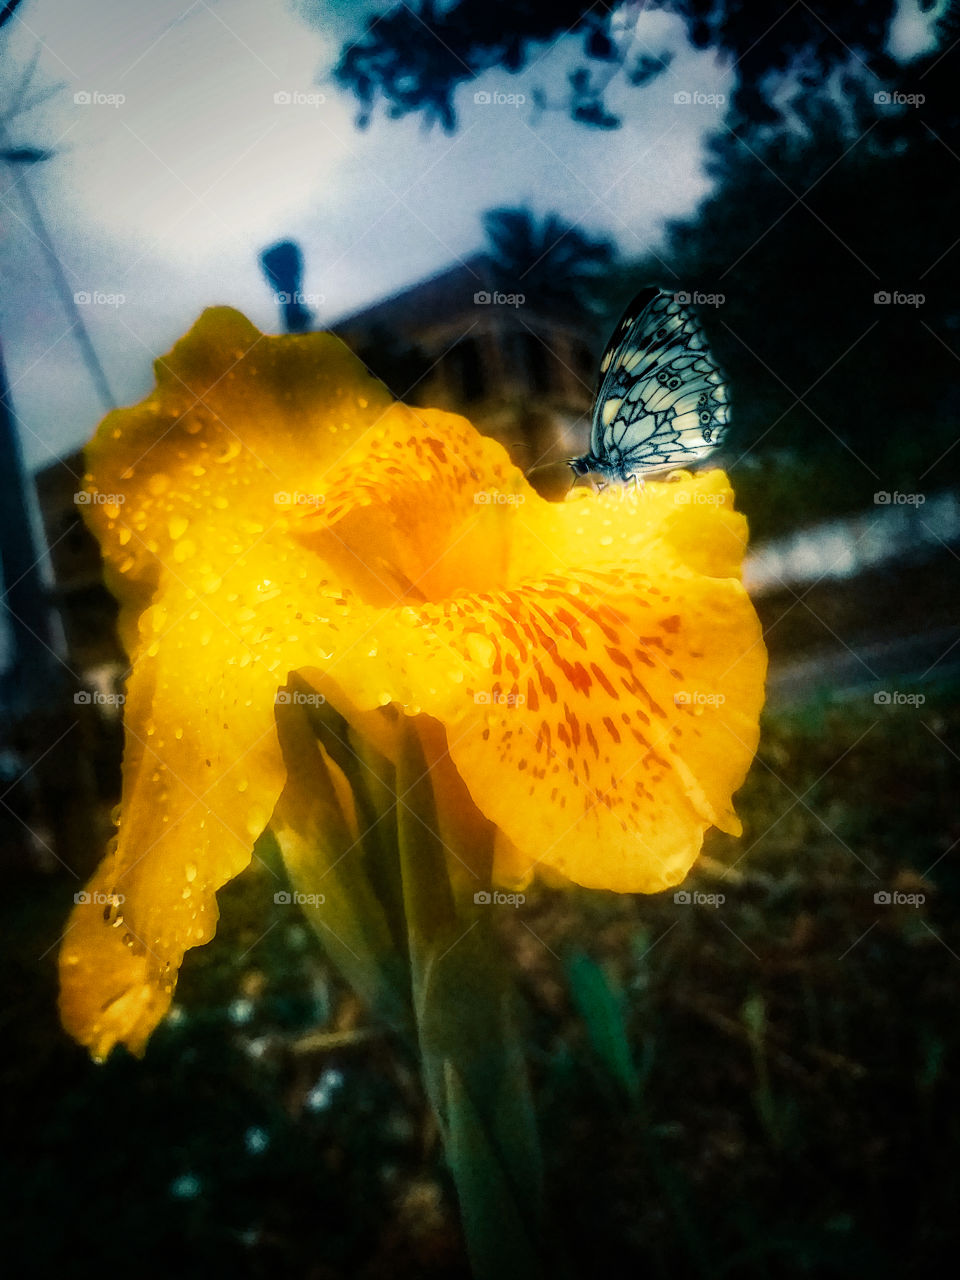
662, 400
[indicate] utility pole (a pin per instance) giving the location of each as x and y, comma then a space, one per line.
24, 594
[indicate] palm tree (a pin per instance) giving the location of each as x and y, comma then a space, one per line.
550, 261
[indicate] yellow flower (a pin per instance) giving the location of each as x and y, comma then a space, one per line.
595, 665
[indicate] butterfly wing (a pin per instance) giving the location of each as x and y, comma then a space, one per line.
662, 400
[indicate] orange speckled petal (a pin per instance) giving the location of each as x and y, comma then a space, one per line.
601, 695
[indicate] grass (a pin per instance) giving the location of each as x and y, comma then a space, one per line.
758, 1086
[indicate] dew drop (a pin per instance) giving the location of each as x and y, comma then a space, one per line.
481, 649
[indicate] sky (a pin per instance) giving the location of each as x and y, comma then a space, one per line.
166, 184
189, 134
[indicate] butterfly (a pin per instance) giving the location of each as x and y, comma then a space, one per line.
662, 400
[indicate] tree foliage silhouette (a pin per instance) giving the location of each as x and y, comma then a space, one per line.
415, 56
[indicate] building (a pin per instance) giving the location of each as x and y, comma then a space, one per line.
523, 374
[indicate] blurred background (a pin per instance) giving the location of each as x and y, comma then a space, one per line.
759, 1076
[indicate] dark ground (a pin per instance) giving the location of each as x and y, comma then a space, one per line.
763, 1087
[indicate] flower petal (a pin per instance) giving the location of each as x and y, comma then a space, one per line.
595, 665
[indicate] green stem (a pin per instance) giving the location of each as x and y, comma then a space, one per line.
394, 925
469, 1042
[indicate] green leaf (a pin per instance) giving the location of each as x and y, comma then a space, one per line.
327, 863
601, 1005
498, 1241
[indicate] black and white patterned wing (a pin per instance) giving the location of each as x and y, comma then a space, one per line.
662, 400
